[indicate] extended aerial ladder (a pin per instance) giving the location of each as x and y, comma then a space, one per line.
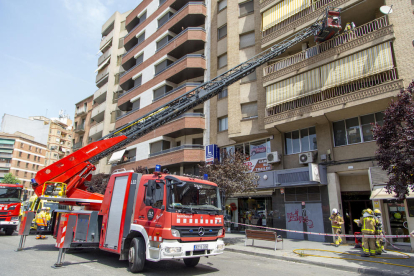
76, 168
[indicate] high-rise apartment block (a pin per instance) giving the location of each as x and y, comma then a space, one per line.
166, 47
82, 122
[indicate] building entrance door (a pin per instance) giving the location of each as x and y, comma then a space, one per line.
398, 222
353, 203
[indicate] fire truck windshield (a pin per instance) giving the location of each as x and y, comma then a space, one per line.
8, 194
194, 196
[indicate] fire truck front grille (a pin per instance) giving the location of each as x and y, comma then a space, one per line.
2, 219
3, 213
194, 231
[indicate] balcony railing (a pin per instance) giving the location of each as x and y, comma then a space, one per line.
98, 109
6, 146
175, 89
178, 61
96, 129
77, 145
176, 148
334, 92
318, 5
104, 56
105, 39
102, 73
5, 165
6, 155
80, 111
80, 128
362, 30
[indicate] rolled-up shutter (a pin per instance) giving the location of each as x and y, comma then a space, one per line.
282, 11
357, 66
249, 110
247, 40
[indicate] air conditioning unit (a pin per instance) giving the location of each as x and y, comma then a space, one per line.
272, 157
305, 158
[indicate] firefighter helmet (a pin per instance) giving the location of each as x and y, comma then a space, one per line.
377, 212
369, 211
334, 211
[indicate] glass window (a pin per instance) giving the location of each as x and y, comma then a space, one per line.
222, 61
223, 124
339, 133
367, 122
353, 130
158, 195
160, 92
222, 32
379, 117
162, 2
295, 141
300, 141
222, 4
312, 138
161, 66
164, 19
246, 7
138, 81
222, 94
163, 41
249, 78
141, 38
143, 17
304, 139
247, 40
139, 59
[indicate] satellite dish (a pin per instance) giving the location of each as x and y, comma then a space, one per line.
386, 9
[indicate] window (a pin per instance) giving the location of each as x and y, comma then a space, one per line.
249, 78
178, 144
164, 19
18, 163
138, 81
356, 130
21, 145
139, 59
222, 61
247, 40
246, 8
222, 5
300, 140
303, 194
159, 146
17, 172
20, 154
58, 132
161, 43
119, 60
27, 165
163, 90
223, 124
252, 150
30, 147
122, 26
222, 32
162, 65
116, 78
25, 174
198, 141
222, 94
143, 17
33, 166
121, 43
28, 156
157, 196
249, 110
32, 175
162, 2
37, 167
141, 38
136, 104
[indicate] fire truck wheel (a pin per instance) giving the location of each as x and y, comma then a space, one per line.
191, 262
136, 255
9, 231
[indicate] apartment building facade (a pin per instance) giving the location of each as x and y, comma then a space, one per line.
102, 117
317, 103
165, 58
82, 123
21, 156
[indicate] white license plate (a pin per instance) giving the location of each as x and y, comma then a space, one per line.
200, 246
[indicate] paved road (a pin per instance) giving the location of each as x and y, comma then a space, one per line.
40, 255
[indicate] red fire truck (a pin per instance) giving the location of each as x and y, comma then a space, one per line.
10, 203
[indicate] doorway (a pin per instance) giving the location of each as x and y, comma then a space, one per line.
353, 203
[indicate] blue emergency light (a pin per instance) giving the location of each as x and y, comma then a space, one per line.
33, 181
205, 176
158, 168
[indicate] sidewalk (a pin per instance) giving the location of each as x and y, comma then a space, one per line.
371, 266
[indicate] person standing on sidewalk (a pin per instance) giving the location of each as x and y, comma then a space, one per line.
379, 231
368, 222
337, 221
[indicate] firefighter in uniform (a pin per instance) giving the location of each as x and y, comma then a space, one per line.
368, 222
337, 221
379, 241
41, 222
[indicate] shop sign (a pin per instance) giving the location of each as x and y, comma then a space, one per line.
258, 165
212, 153
376, 204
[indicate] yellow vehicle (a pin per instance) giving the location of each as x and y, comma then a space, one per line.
36, 204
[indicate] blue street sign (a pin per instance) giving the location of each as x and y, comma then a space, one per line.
212, 153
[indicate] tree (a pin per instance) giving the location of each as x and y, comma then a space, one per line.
140, 169
10, 179
231, 174
98, 183
395, 140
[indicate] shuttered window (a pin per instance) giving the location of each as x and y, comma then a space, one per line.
222, 94
292, 88
249, 110
222, 32
140, 59
222, 4
246, 7
282, 11
247, 40
222, 61
141, 38
160, 92
359, 65
161, 66
143, 17
164, 19
136, 104
163, 41
121, 43
138, 81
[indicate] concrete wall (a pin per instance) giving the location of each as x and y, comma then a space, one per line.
37, 129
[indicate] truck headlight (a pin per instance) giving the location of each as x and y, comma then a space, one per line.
173, 249
220, 232
15, 218
175, 233
220, 246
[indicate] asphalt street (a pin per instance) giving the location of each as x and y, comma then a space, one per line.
40, 255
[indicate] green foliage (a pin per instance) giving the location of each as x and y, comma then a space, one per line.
98, 183
10, 179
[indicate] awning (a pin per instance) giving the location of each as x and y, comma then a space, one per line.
116, 156
381, 193
103, 47
265, 193
282, 11
7, 142
103, 64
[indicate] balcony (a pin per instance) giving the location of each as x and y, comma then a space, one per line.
365, 35
6, 155
80, 129
106, 40
8, 146
104, 56
98, 112
81, 111
190, 15
5, 165
299, 20
175, 149
77, 146
100, 95
95, 131
102, 76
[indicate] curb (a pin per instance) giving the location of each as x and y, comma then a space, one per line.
366, 271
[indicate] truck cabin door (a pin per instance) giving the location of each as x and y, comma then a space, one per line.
152, 209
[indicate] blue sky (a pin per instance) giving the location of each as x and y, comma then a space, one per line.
48, 53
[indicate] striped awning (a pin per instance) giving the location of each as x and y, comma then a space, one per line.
282, 11
296, 87
357, 66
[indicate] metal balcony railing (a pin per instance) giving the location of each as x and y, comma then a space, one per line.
362, 30
80, 111
77, 145
176, 148
334, 92
176, 62
80, 128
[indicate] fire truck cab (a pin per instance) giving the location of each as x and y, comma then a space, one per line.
10, 203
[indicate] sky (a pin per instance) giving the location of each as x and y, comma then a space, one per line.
48, 53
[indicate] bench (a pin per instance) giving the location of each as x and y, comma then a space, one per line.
264, 236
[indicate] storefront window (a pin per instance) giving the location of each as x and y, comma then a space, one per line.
255, 211
252, 150
398, 221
